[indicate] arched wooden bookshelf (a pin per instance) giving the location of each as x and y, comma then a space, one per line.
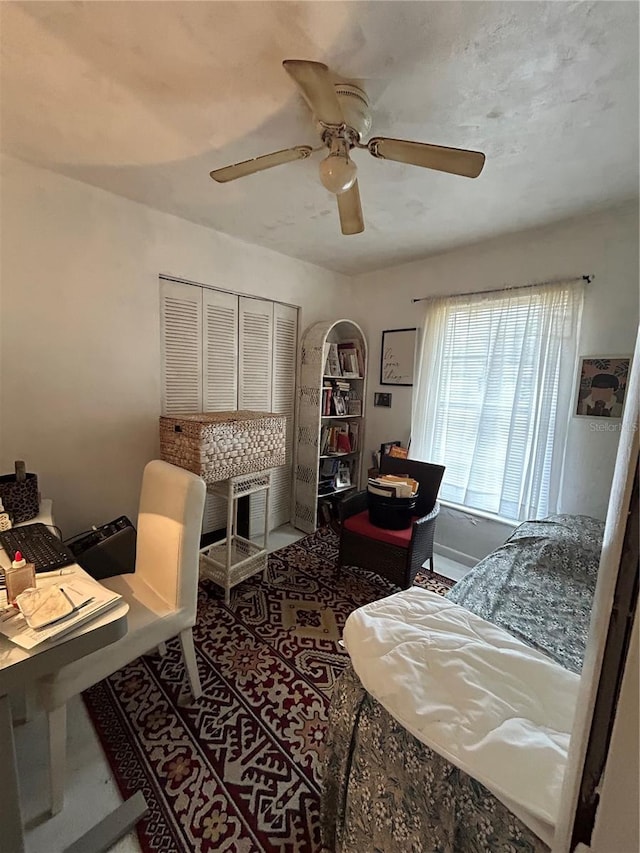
314, 423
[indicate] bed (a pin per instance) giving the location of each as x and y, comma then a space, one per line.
385, 790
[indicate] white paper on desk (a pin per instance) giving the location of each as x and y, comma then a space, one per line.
99, 599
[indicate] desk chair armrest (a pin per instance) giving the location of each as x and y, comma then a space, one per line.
421, 547
422, 523
352, 505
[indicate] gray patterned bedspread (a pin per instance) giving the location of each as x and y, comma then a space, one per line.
386, 791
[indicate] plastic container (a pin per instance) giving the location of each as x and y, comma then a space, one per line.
391, 513
18, 577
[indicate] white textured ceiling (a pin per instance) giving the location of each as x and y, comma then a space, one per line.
145, 98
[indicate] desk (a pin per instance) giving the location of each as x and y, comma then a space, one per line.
19, 668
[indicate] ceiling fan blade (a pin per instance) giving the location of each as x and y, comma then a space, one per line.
456, 161
350, 210
316, 84
267, 161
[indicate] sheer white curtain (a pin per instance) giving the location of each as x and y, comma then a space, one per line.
493, 394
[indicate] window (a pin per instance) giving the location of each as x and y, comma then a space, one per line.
493, 396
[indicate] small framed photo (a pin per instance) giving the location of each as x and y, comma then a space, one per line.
343, 478
339, 404
602, 386
382, 399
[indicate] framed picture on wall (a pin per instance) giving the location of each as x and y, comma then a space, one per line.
382, 399
602, 386
397, 356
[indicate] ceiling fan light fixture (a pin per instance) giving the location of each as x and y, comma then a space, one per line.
338, 172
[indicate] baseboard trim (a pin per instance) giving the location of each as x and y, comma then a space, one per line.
458, 556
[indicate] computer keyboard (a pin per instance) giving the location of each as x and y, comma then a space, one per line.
38, 545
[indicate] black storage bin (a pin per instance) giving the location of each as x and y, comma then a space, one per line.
391, 513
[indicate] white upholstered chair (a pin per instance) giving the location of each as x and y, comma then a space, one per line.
161, 594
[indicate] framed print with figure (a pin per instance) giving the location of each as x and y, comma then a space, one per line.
602, 386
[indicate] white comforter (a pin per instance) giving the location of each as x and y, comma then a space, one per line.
497, 709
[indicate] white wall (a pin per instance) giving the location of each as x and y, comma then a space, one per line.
80, 382
604, 244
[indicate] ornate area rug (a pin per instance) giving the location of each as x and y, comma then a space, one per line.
238, 770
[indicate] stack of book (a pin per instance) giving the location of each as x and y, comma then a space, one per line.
390, 486
339, 438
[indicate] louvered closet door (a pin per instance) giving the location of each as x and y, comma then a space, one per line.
254, 375
181, 345
285, 336
220, 375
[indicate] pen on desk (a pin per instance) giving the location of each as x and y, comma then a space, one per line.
75, 606
58, 573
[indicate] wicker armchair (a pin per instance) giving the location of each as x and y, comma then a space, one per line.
395, 554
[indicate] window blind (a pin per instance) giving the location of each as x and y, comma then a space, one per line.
488, 403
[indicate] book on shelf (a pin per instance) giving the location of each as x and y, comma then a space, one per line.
325, 357
327, 396
326, 513
351, 359
329, 467
348, 360
337, 438
335, 397
343, 441
354, 433
340, 437
329, 510
354, 407
331, 360
326, 487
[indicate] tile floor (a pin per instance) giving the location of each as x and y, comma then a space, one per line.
91, 790
449, 568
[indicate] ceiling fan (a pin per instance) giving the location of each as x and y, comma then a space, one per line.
343, 118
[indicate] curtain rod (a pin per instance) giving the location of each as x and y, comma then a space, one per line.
587, 278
